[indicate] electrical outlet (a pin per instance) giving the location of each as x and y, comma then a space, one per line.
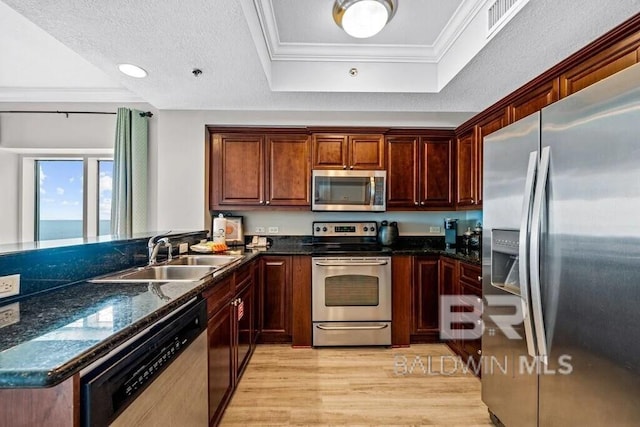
9, 285
183, 248
434, 229
259, 229
9, 314
274, 230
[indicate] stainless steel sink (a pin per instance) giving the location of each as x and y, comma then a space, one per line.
158, 273
208, 260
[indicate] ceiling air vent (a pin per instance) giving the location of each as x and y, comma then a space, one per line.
498, 10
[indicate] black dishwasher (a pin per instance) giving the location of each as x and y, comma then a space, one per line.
110, 387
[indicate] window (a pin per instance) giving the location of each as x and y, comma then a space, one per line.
72, 197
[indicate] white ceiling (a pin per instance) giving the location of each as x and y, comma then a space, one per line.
67, 50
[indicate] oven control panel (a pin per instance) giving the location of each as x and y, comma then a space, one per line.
344, 229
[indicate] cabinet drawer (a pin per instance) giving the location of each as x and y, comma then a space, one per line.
471, 275
218, 295
243, 277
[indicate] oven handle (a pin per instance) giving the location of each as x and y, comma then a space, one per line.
343, 328
348, 263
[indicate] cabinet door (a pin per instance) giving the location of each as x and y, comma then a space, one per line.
466, 169
485, 128
534, 100
238, 177
276, 299
221, 376
449, 287
243, 316
402, 171
366, 152
471, 348
329, 151
600, 66
426, 297
436, 172
288, 172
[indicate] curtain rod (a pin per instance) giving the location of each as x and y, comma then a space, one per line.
142, 114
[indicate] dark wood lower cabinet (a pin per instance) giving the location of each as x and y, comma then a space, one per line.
221, 378
275, 292
426, 300
460, 278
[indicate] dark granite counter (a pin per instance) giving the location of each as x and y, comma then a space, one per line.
60, 331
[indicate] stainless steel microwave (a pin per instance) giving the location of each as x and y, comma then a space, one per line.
349, 190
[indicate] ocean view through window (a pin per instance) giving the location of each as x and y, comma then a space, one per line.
73, 197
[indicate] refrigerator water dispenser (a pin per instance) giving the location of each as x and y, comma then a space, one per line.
504, 260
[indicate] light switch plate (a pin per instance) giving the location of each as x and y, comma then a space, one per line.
434, 229
274, 230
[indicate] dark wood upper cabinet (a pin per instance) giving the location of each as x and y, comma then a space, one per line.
466, 173
534, 100
419, 172
614, 58
436, 172
254, 170
237, 170
357, 151
403, 171
288, 172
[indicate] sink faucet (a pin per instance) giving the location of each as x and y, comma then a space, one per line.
154, 245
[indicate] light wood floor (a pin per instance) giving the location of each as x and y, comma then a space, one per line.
356, 386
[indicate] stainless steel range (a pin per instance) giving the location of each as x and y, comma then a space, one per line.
351, 286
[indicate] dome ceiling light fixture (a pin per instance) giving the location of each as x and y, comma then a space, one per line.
363, 18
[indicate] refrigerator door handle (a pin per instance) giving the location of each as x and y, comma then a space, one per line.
534, 254
523, 255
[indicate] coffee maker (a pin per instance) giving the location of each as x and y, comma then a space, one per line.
450, 232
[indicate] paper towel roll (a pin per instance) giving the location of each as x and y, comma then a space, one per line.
219, 230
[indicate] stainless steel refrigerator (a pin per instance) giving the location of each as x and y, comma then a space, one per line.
562, 246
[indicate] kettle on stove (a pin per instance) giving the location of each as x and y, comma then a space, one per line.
387, 233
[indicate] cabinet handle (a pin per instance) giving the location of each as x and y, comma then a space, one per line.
344, 166
351, 167
473, 202
415, 203
479, 278
479, 322
261, 202
268, 202
422, 203
479, 352
274, 263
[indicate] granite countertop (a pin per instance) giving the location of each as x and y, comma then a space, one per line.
60, 332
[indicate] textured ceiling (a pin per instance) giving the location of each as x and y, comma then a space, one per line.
170, 38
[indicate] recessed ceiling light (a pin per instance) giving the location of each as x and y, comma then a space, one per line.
132, 70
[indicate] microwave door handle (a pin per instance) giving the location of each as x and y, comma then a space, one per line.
372, 190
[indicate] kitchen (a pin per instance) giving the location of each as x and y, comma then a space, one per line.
178, 137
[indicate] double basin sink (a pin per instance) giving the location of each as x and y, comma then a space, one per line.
186, 268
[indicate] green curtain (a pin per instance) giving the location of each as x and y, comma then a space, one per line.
129, 196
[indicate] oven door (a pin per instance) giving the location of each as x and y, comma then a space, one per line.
351, 289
